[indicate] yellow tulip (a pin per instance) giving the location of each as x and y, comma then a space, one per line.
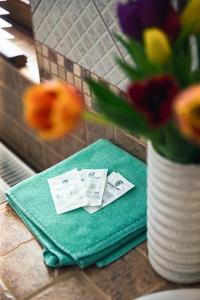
157, 46
53, 109
190, 16
187, 112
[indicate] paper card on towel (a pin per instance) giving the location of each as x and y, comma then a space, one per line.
93, 183
116, 186
66, 192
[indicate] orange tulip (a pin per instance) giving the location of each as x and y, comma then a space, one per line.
53, 108
187, 111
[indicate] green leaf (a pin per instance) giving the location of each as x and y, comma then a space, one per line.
97, 118
138, 55
182, 37
136, 51
195, 76
181, 61
130, 71
175, 147
198, 46
120, 111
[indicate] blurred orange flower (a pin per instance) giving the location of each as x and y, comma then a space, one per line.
187, 110
53, 108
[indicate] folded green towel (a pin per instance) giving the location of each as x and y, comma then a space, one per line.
78, 237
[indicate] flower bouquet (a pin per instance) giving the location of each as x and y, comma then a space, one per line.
163, 98
162, 104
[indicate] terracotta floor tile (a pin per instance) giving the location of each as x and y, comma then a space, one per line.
74, 288
12, 230
3, 204
142, 249
4, 293
126, 278
23, 270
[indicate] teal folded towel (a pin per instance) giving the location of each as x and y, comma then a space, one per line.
77, 237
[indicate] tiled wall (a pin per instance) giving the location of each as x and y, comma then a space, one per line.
74, 40
15, 133
37, 153
82, 31
77, 30
55, 65
57, 24
52, 32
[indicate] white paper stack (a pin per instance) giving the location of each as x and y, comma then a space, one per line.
87, 188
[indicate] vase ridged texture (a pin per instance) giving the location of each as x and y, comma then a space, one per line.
173, 218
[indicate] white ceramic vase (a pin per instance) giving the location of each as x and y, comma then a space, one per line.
173, 218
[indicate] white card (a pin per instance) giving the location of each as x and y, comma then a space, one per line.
93, 184
116, 186
66, 191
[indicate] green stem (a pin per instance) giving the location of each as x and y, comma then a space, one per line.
99, 119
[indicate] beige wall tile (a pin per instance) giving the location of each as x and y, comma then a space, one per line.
61, 72
40, 60
54, 68
51, 157
78, 82
60, 60
77, 70
38, 48
94, 77
86, 88
45, 51
71, 146
88, 101
70, 77
97, 131
114, 88
130, 143
46, 63
34, 151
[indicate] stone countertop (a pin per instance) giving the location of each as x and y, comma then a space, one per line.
23, 275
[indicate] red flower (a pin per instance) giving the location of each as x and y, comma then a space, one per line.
154, 98
172, 24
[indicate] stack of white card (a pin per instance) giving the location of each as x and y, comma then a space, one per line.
91, 189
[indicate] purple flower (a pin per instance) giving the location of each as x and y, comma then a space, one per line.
137, 15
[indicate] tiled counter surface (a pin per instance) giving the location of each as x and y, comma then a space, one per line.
24, 275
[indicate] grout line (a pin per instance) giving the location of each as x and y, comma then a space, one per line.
109, 30
2, 205
41, 67
70, 28
33, 11
41, 142
66, 275
36, 28
141, 253
30, 133
2, 84
93, 286
156, 288
15, 248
